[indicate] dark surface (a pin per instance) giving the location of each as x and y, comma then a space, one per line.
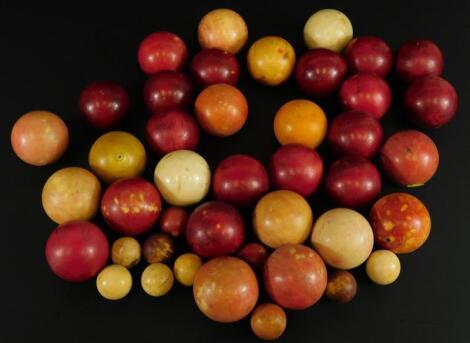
49, 55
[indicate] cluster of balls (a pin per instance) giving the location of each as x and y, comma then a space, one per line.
295, 276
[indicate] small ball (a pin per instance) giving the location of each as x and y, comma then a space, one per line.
383, 267
268, 321
126, 251
186, 267
114, 282
341, 286
158, 248
157, 279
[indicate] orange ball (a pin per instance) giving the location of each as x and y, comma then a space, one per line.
302, 122
268, 321
221, 110
39, 138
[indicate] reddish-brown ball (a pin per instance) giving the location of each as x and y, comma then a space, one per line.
158, 248
255, 254
211, 66
173, 221
341, 286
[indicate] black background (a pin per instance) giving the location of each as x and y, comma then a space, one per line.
47, 55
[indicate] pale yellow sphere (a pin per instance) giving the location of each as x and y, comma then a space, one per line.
157, 279
343, 237
183, 177
186, 267
114, 282
329, 29
383, 267
126, 251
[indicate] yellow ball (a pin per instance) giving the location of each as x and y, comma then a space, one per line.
271, 60
157, 279
329, 29
114, 282
126, 251
383, 267
186, 267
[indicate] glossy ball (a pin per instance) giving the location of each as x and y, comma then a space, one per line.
417, 58
126, 251
296, 168
282, 217
401, 222
114, 282
116, 155
225, 289
186, 267
355, 133
343, 238
158, 248
170, 131
104, 104
214, 229
300, 121
222, 29
268, 321
173, 221
162, 51
383, 267
183, 177
39, 138
168, 90
271, 60
341, 287
431, 102
131, 206
366, 93
295, 276
221, 110
328, 29
76, 251
157, 279
71, 194
319, 72
353, 182
409, 158
369, 54
240, 180
211, 66
255, 254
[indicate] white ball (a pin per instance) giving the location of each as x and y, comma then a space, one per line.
183, 177
329, 29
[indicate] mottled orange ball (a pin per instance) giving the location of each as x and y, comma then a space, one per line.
268, 321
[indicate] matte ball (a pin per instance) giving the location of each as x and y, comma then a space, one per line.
383, 267
114, 282
157, 279
186, 267
158, 248
211, 66
268, 321
369, 54
126, 251
341, 287
255, 254
173, 221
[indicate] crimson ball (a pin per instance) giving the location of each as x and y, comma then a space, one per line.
369, 54
211, 66
173, 221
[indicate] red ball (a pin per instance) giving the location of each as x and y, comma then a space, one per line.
131, 206
431, 101
369, 54
295, 276
409, 158
104, 104
353, 182
240, 180
214, 229
355, 133
319, 72
168, 90
255, 254
172, 130
297, 168
367, 93
173, 221
211, 66
417, 58
162, 51
76, 251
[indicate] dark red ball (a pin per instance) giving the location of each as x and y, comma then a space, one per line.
297, 168
369, 54
76, 251
367, 93
418, 57
211, 66
215, 228
104, 104
353, 182
240, 180
131, 206
172, 130
355, 133
319, 72
255, 254
431, 101
173, 221
168, 90
162, 51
